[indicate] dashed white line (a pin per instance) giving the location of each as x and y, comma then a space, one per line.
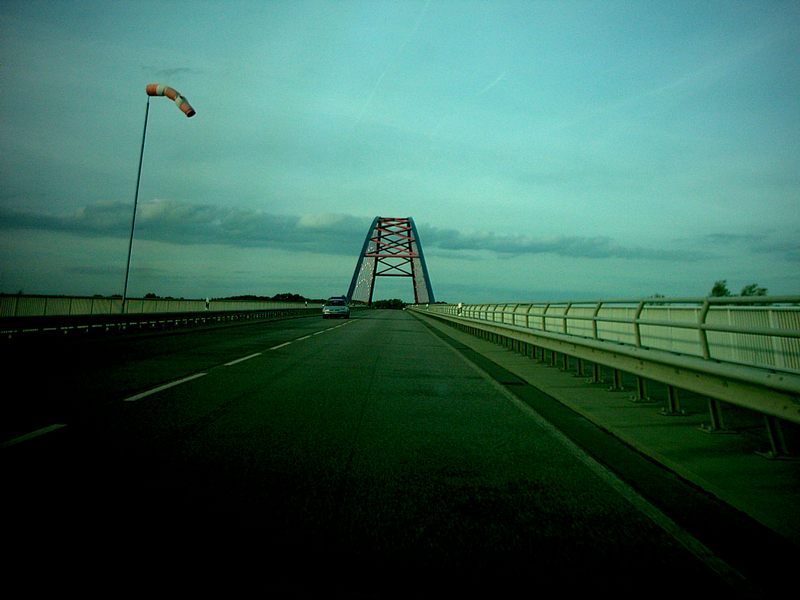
32, 434
163, 387
244, 358
695, 546
56, 426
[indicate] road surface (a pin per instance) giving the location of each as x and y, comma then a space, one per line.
355, 458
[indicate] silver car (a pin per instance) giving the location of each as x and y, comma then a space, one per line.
336, 307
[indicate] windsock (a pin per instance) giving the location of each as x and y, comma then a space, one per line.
156, 89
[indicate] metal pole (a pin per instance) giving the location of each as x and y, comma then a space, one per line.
135, 202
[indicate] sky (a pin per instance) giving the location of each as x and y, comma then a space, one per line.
546, 150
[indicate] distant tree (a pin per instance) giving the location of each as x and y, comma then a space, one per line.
150, 295
288, 297
394, 303
720, 289
753, 290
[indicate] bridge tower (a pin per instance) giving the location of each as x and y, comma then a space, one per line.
391, 249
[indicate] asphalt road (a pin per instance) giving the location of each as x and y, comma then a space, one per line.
359, 458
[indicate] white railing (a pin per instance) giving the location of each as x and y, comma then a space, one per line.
742, 351
761, 332
41, 306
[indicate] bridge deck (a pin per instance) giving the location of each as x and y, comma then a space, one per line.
730, 464
366, 457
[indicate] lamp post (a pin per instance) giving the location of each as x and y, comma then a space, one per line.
152, 89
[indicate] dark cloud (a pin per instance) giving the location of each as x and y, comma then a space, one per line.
789, 249
569, 246
187, 223
732, 238
93, 270
761, 243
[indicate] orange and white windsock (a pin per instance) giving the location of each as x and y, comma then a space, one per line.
156, 89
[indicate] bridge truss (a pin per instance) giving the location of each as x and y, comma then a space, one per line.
391, 249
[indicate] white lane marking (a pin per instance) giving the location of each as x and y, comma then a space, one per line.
56, 426
678, 533
244, 358
163, 387
305, 337
32, 434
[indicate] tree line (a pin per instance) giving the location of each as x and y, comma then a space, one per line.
720, 290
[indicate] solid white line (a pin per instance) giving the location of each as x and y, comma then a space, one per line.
163, 387
244, 358
319, 332
32, 434
280, 345
692, 544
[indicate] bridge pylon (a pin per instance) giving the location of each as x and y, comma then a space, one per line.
391, 249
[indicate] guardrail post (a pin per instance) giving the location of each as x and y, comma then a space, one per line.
673, 407
777, 442
641, 390
594, 319
596, 374
636, 331
579, 368
715, 415
701, 322
528, 316
616, 382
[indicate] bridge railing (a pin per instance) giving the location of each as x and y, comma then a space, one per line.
38, 314
744, 351
20, 305
760, 332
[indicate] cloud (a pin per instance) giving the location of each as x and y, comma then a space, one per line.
566, 246
185, 223
172, 72
772, 243
324, 233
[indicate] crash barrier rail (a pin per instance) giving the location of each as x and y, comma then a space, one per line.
744, 351
19, 305
27, 314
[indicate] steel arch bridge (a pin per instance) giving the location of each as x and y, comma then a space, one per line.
391, 249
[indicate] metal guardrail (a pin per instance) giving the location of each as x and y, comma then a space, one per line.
29, 314
744, 351
760, 332
20, 305
14, 326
